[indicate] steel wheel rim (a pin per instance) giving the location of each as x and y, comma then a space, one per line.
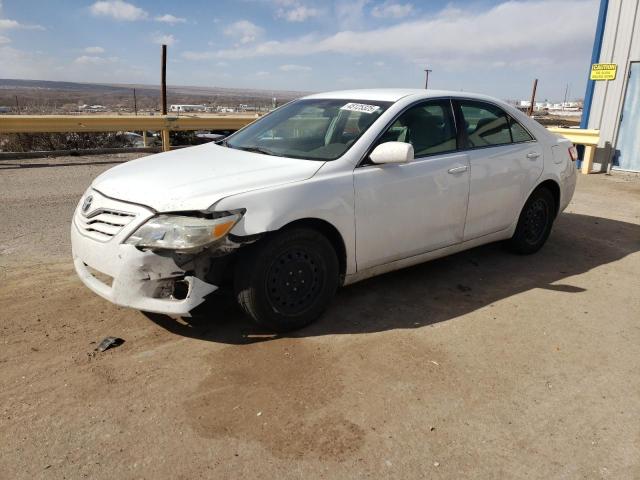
294, 281
536, 218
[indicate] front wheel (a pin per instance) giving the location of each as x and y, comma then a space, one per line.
534, 224
287, 280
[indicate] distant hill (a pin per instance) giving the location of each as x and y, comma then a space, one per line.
19, 84
48, 97
10, 83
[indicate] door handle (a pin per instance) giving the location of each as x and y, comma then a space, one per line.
533, 155
458, 169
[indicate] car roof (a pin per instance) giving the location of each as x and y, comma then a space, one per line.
395, 94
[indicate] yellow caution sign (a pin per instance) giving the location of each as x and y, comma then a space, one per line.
604, 71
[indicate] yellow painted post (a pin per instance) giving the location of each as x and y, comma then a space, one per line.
166, 145
588, 138
144, 138
587, 163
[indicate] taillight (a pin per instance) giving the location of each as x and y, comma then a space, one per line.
573, 153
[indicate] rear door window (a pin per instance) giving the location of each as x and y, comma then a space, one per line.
485, 124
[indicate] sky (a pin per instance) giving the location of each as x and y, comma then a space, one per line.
495, 47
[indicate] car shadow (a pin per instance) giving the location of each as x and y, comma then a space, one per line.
436, 291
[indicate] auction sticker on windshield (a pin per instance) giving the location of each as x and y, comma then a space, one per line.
360, 107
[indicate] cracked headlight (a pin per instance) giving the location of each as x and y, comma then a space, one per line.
182, 232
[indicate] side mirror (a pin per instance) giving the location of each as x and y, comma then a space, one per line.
392, 152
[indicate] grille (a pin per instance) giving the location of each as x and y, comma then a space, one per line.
103, 224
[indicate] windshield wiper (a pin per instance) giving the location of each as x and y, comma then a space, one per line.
257, 149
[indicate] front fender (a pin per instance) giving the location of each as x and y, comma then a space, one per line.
328, 197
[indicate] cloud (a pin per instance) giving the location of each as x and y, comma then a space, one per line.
164, 39
490, 35
7, 24
294, 68
294, 11
4, 40
190, 55
118, 10
25, 63
350, 15
170, 19
94, 60
30, 63
94, 50
392, 10
244, 31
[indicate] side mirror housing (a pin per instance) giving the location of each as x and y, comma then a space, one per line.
392, 152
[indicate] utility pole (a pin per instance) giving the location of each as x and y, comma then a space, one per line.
164, 80
135, 102
17, 105
426, 82
166, 146
533, 97
566, 92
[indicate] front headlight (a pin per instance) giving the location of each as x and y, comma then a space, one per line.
182, 232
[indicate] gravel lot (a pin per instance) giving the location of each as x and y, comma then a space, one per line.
482, 365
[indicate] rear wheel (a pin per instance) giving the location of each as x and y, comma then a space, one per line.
535, 222
288, 280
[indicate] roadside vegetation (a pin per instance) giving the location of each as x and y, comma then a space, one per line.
36, 142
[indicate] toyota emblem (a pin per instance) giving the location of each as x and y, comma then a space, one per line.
87, 204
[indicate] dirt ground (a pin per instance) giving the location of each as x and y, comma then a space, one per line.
482, 365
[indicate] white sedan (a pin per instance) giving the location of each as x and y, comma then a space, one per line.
323, 192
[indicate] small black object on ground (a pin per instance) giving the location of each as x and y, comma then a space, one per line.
109, 342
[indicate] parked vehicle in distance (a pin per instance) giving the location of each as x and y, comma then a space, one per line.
322, 192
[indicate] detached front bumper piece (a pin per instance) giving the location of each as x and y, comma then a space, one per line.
122, 273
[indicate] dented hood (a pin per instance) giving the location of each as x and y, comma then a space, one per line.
197, 177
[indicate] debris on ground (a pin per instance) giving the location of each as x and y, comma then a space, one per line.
109, 342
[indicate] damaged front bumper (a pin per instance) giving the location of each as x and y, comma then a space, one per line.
144, 281
171, 284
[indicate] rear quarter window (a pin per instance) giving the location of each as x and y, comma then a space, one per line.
519, 133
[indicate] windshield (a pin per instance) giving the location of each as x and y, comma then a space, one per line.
314, 129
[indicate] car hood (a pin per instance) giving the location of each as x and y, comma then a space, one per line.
197, 177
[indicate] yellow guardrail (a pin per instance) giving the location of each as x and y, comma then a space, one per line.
105, 123
165, 124
588, 138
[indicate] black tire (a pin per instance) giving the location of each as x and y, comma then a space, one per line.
287, 280
534, 224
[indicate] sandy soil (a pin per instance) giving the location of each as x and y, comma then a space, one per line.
480, 365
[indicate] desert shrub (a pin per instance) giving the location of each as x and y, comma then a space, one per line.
34, 142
